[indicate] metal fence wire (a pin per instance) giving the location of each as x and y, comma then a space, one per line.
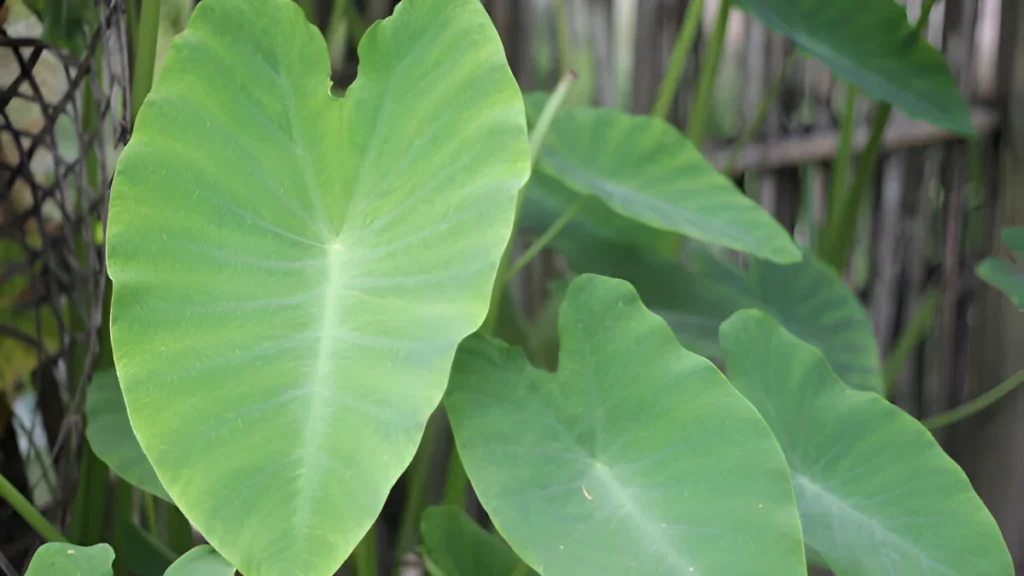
64, 107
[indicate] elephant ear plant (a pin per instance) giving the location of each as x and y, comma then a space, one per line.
300, 281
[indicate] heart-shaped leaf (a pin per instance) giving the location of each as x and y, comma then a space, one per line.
293, 272
870, 44
1003, 275
644, 169
63, 559
111, 437
455, 545
201, 561
877, 495
637, 457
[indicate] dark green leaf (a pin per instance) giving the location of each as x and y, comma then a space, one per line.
870, 44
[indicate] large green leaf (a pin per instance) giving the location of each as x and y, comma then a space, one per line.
870, 44
62, 559
636, 457
1004, 275
293, 272
455, 545
111, 437
201, 561
697, 296
644, 169
877, 495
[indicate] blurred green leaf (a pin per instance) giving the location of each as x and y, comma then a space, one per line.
877, 494
636, 457
1004, 275
111, 436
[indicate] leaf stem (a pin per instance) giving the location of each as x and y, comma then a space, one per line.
150, 508
557, 226
762, 112
700, 114
838, 238
456, 484
911, 336
844, 156
547, 115
680, 55
26, 510
416, 496
145, 53
976, 405
522, 569
366, 554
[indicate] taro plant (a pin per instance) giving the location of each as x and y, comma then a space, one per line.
305, 284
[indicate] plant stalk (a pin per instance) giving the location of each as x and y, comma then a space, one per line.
26, 510
842, 224
145, 53
844, 157
700, 113
456, 484
150, 508
762, 113
911, 336
366, 554
541, 242
680, 55
416, 496
976, 405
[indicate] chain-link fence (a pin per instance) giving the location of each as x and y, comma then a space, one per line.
64, 106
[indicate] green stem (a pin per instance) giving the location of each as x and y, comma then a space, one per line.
680, 55
179, 531
700, 113
844, 210
976, 405
762, 112
26, 510
89, 513
563, 34
844, 156
911, 336
557, 226
416, 497
145, 53
456, 484
366, 554
842, 224
356, 25
547, 115
150, 508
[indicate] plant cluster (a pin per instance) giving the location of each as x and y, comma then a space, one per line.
305, 284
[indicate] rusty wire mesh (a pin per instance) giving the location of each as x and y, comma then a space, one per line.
63, 118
